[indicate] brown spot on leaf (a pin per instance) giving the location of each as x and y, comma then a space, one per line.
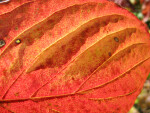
109, 53
16, 94
116, 39
40, 67
2, 43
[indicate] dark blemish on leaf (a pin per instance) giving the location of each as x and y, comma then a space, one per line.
103, 24
63, 47
88, 10
69, 51
129, 51
18, 41
2, 43
51, 21
109, 53
40, 67
51, 90
16, 94
29, 41
115, 20
16, 28
116, 39
49, 62
4, 1
102, 4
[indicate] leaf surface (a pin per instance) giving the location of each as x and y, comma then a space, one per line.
78, 56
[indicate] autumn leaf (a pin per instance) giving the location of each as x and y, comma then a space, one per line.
80, 56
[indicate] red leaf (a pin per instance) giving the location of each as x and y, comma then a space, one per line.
71, 56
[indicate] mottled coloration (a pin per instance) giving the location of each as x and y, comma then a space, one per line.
70, 56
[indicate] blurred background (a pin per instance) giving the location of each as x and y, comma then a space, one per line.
141, 9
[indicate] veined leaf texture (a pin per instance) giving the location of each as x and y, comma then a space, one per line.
70, 56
